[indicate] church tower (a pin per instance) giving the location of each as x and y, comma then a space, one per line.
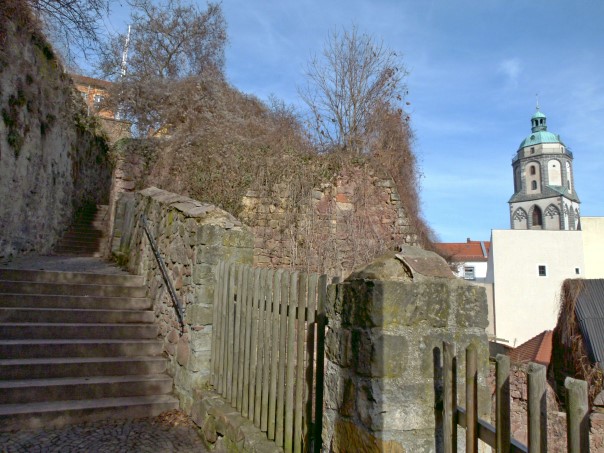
544, 191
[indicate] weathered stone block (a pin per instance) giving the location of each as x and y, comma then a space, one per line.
200, 314
377, 354
471, 304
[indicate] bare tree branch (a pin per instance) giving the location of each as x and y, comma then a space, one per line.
354, 77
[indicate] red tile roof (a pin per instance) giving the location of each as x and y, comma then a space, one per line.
465, 251
538, 349
83, 80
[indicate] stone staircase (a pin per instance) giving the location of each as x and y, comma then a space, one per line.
77, 346
86, 235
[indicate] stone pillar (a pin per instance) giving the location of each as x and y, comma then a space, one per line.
383, 376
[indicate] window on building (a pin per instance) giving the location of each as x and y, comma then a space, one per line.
542, 270
468, 273
532, 150
537, 217
98, 99
534, 185
577, 271
532, 170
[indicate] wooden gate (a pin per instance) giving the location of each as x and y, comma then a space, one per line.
267, 350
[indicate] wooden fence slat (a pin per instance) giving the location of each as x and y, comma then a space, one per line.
237, 335
223, 328
449, 398
471, 400
254, 348
309, 380
321, 323
577, 415
281, 385
215, 324
502, 401
537, 416
249, 293
261, 350
290, 367
267, 335
275, 324
299, 380
241, 295
231, 331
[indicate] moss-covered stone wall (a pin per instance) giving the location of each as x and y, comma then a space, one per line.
53, 157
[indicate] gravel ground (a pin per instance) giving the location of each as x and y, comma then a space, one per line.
170, 432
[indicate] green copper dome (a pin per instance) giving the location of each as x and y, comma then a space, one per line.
540, 137
539, 132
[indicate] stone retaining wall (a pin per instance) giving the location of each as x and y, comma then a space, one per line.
53, 158
192, 237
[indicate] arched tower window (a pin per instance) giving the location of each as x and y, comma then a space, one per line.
532, 174
554, 173
537, 218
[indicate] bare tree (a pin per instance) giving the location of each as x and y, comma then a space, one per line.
72, 24
171, 44
355, 76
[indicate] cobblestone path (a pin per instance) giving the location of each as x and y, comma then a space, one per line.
170, 432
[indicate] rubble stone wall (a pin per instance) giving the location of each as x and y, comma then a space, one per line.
556, 419
192, 237
340, 227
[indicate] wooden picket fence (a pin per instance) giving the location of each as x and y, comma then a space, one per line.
267, 350
499, 436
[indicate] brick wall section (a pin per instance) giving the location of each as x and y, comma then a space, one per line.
341, 226
192, 237
556, 421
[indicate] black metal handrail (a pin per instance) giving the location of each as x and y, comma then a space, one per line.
176, 302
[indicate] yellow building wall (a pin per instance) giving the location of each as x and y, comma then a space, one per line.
593, 246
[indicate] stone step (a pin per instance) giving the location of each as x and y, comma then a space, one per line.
56, 331
77, 251
60, 413
75, 302
84, 234
76, 289
44, 348
43, 368
70, 277
70, 315
36, 390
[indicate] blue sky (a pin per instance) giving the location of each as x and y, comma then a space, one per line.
474, 69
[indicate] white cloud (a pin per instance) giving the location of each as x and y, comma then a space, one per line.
511, 69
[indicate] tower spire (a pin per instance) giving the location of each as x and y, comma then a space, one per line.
537, 96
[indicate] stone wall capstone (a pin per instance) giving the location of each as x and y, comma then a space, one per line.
53, 158
192, 237
386, 327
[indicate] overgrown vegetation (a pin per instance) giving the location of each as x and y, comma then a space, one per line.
202, 137
569, 354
